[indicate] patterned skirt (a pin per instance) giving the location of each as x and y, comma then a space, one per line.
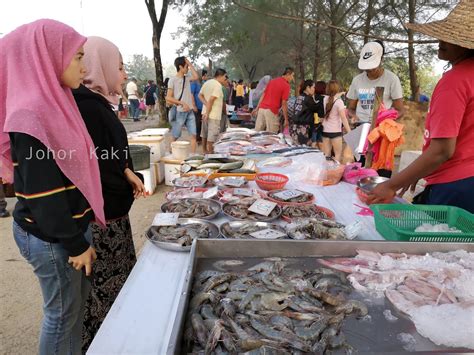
115, 260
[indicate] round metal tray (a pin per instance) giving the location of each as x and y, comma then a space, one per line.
215, 206
264, 219
239, 224
214, 231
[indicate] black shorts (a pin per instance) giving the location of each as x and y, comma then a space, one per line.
332, 135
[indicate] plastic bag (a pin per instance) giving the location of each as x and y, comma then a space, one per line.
309, 169
353, 172
142, 106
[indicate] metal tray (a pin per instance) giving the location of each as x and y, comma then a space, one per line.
214, 231
264, 219
215, 206
239, 224
380, 343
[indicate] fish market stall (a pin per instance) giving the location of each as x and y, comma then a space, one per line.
317, 292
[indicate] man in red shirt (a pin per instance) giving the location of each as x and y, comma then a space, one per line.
275, 96
447, 162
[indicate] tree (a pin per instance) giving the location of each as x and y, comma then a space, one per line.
158, 25
141, 68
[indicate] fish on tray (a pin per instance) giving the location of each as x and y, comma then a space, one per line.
190, 208
302, 197
245, 230
315, 228
180, 234
308, 211
269, 308
240, 210
430, 289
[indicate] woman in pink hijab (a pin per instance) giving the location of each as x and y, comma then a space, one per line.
114, 244
45, 148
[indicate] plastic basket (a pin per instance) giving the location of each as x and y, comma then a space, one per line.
398, 222
271, 181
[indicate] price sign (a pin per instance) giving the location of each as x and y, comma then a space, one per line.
165, 219
216, 156
288, 194
268, 234
243, 192
210, 193
234, 182
262, 207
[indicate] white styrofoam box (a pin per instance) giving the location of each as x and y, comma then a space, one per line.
172, 169
149, 176
156, 144
171, 173
153, 132
407, 157
159, 172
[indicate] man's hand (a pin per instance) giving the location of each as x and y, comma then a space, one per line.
382, 193
354, 119
84, 260
186, 107
205, 117
411, 187
195, 109
186, 60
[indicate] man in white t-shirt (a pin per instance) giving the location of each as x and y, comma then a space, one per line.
361, 94
133, 99
212, 98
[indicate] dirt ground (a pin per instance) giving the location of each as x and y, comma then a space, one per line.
20, 297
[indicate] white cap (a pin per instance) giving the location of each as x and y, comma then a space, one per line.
370, 56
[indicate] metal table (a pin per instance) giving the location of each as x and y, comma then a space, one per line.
142, 317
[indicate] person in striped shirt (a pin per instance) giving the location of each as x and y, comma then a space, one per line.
47, 150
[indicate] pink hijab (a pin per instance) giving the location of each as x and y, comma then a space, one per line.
102, 59
33, 101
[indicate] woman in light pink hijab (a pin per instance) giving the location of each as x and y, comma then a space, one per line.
114, 244
45, 148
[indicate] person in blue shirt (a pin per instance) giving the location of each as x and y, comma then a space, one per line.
195, 88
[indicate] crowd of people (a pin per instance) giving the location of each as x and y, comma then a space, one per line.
67, 153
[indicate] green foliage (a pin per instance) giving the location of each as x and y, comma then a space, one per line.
141, 67
249, 45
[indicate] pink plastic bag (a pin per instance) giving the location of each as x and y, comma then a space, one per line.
142, 106
353, 172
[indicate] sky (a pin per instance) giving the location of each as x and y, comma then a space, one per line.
126, 25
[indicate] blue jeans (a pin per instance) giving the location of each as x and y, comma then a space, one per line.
64, 290
183, 118
134, 110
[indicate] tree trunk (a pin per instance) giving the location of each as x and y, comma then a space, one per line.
332, 48
209, 68
317, 55
414, 85
156, 39
300, 52
368, 19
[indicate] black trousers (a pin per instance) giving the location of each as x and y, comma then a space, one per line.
198, 117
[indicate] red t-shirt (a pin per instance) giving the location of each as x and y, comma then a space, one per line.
277, 90
452, 115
